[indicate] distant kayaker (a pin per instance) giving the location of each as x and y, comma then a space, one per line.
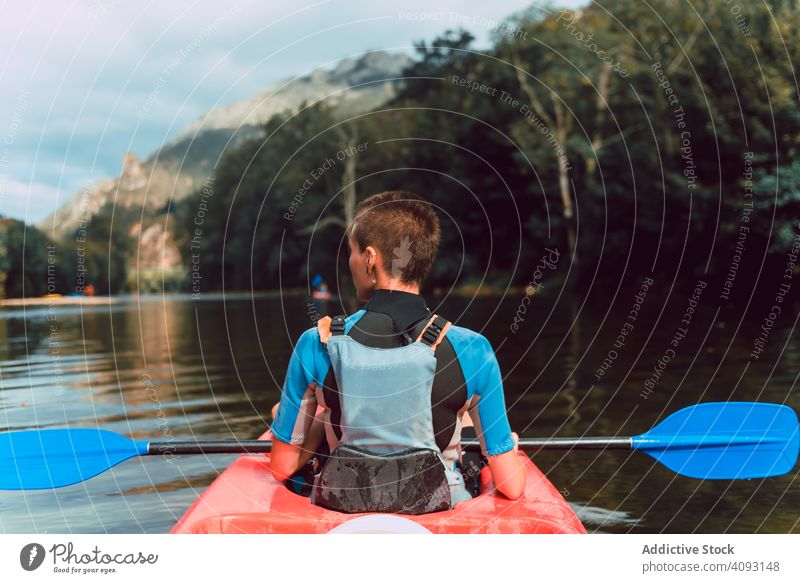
381, 397
321, 292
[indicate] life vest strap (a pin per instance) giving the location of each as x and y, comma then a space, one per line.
337, 325
434, 331
324, 328
328, 327
432, 335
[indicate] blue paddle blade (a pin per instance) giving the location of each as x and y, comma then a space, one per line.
725, 441
53, 458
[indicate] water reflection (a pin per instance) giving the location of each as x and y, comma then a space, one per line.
171, 367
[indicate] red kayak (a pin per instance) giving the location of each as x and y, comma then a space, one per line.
245, 498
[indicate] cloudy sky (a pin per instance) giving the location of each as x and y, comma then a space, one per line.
85, 81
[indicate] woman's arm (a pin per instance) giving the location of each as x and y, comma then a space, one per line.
508, 472
286, 459
487, 410
508, 469
296, 430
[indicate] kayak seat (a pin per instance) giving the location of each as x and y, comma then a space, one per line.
411, 481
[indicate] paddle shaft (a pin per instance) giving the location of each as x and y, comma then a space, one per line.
264, 446
710, 441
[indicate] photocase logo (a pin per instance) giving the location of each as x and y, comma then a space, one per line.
31, 556
402, 255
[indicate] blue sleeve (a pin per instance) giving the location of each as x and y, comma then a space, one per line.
308, 366
484, 390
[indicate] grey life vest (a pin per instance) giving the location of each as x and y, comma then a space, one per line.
387, 459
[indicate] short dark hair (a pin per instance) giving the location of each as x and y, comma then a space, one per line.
404, 227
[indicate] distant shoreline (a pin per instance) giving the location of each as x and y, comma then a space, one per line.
130, 298
60, 301
467, 290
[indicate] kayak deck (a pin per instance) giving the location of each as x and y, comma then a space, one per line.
245, 498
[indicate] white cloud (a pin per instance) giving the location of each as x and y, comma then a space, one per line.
89, 66
27, 201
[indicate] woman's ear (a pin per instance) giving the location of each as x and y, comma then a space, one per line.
372, 257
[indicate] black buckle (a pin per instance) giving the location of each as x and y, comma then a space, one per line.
433, 331
337, 325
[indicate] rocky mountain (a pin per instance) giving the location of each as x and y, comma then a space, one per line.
145, 186
180, 166
353, 86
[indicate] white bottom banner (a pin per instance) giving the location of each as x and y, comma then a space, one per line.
379, 558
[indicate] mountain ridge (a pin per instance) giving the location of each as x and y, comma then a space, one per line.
179, 166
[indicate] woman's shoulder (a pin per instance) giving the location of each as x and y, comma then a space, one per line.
462, 334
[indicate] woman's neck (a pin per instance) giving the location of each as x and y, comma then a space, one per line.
395, 284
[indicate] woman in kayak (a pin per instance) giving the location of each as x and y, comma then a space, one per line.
387, 390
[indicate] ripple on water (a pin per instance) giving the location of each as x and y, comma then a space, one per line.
143, 369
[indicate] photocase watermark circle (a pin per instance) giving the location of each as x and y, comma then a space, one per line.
31, 556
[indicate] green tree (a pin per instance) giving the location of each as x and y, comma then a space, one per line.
24, 252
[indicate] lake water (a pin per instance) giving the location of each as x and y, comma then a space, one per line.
155, 368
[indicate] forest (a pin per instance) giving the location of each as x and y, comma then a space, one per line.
663, 141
